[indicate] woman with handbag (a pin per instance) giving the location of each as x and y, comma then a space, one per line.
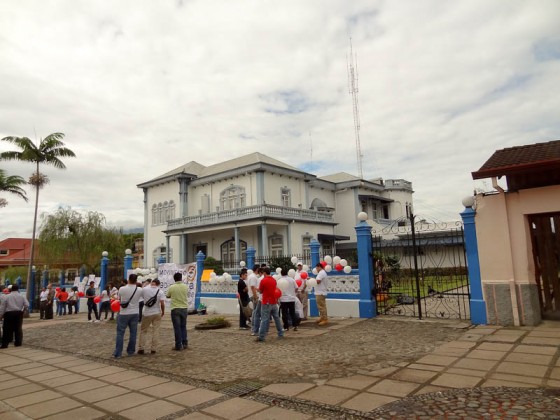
243, 293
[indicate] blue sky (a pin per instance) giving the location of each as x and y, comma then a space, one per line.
140, 87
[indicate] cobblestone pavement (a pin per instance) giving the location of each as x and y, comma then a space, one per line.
378, 368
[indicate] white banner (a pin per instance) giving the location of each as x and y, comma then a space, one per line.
165, 276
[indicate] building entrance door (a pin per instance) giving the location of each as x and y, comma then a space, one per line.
545, 238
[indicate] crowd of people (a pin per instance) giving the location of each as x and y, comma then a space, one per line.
260, 289
144, 304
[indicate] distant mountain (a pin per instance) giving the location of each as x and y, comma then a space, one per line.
134, 230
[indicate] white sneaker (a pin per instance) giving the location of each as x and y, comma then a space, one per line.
96, 320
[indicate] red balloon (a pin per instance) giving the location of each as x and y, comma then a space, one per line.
81, 294
299, 282
6, 291
323, 264
339, 267
277, 293
115, 306
57, 289
303, 274
97, 299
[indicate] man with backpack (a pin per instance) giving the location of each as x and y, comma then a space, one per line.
154, 309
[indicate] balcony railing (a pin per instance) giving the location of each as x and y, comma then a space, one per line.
249, 213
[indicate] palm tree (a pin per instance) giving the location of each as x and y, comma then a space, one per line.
48, 151
11, 184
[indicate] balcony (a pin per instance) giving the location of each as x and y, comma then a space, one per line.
251, 213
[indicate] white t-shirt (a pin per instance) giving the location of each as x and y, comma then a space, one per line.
252, 280
289, 295
321, 288
45, 295
125, 294
104, 296
114, 293
148, 293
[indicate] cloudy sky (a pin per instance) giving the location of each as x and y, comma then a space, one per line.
141, 87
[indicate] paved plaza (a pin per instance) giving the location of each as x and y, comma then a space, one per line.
377, 368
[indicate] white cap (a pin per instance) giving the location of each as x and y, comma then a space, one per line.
299, 263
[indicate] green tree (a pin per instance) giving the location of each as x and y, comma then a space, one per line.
71, 236
13, 185
47, 152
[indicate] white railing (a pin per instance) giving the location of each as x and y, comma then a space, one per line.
250, 212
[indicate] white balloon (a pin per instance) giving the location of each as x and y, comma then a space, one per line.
336, 260
343, 263
213, 281
328, 259
291, 272
227, 277
213, 274
283, 284
311, 282
314, 271
294, 260
152, 270
137, 270
276, 277
347, 269
242, 263
249, 272
328, 268
305, 267
220, 279
279, 270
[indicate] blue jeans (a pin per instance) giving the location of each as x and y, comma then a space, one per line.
256, 321
266, 311
60, 307
124, 321
179, 320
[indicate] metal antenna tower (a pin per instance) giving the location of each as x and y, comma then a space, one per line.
353, 90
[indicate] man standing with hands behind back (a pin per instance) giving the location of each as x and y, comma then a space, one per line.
179, 310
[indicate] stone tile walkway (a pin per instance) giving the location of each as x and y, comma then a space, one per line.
486, 371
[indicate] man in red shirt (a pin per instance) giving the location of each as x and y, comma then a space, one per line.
269, 305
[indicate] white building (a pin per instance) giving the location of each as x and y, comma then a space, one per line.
258, 201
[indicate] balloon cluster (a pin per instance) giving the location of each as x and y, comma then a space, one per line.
145, 274
338, 263
224, 278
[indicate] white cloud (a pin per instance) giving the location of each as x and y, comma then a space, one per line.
140, 87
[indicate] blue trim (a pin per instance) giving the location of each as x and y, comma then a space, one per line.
478, 305
251, 252
200, 257
127, 265
219, 295
104, 269
367, 304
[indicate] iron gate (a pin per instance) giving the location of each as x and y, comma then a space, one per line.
421, 270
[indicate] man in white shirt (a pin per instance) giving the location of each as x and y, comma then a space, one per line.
321, 294
43, 302
11, 311
128, 316
154, 309
288, 302
254, 282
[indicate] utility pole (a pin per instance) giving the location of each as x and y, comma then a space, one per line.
353, 90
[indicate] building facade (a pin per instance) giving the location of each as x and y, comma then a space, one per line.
258, 201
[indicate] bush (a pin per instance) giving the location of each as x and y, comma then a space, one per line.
283, 262
217, 320
214, 264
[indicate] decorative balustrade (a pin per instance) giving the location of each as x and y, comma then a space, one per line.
250, 212
344, 284
224, 287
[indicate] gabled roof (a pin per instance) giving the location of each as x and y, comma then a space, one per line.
19, 251
519, 159
15, 243
340, 177
196, 170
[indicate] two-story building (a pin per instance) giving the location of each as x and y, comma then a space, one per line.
255, 200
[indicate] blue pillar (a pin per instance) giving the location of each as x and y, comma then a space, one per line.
127, 262
478, 305
161, 260
45, 278
200, 257
314, 245
82, 273
61, 277
31, 285
367, 303
251, 252
104, 270
18, 281
7, 282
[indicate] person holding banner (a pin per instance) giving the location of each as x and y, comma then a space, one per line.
179, 309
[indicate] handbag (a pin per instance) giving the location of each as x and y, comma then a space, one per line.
247, 310
151, 301
125, 304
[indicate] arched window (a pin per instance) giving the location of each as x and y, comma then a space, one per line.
159, 214
232, 197
228, 252
318, 204
276, 245
171, 210
285, 197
